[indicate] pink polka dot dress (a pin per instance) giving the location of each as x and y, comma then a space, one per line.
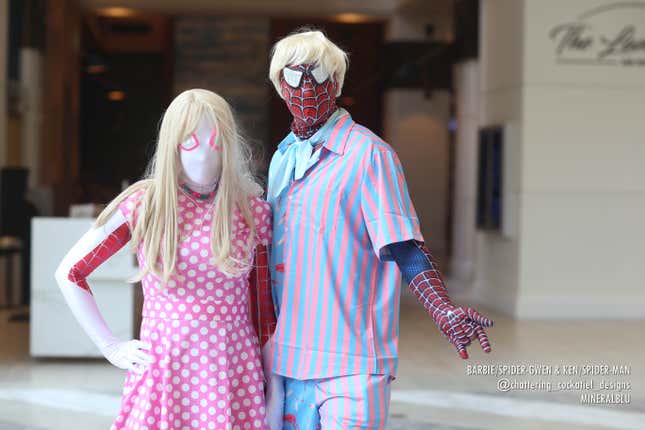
206, 372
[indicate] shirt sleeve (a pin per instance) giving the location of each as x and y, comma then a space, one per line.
387, 209
263, 221
272, 178
129, 207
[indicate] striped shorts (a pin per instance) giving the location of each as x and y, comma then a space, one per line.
342, 402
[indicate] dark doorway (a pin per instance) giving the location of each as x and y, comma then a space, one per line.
362, 92
125, 88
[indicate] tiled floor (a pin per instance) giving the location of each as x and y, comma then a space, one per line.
432, 390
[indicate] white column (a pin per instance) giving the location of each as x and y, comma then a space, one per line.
4, 31
465, 174
417, 126
502, 28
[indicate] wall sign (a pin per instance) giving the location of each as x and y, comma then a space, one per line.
612, 34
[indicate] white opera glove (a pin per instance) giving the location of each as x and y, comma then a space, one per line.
92, 249
274, 393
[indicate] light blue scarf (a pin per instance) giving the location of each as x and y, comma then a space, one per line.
292, 164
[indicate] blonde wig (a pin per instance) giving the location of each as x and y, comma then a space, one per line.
308, 47
157, 215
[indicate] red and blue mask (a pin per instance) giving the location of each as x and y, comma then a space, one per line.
310, 95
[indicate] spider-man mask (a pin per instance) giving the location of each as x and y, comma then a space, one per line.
310, 95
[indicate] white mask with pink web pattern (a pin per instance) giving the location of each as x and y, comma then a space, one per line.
201, 157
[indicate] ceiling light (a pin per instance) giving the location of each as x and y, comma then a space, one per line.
352, 18
115, 96
117, 12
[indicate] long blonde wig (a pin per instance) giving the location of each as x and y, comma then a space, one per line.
157, 214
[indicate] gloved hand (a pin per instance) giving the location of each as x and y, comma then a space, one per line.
461, 325
129, 355
96, 246
274, 393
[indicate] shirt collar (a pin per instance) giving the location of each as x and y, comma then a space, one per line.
334, 133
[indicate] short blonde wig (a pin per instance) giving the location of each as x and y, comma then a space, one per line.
308, 47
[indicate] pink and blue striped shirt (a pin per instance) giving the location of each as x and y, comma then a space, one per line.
335, 285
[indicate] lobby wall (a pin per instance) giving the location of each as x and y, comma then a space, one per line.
578, 187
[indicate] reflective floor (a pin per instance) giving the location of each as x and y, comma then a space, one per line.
433, 389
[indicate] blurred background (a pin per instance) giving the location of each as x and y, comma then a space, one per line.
520, 125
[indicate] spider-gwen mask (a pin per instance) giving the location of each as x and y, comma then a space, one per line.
201, 158
310, 95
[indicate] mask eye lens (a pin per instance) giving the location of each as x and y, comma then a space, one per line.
292, 77
319, 74
189, 144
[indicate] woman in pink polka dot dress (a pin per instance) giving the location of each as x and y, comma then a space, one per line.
198, 362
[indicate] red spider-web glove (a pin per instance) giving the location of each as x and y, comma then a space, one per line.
260, 300
460, 325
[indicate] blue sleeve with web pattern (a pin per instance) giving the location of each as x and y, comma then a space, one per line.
410, 259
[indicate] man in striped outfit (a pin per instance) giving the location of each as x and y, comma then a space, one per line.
345, 230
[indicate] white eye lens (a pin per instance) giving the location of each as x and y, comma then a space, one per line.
319, 75
189, 144
292, 77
